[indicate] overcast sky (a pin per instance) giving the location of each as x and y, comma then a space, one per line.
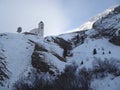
58, 15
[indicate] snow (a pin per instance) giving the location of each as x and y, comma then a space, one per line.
91, 32
51, 47
89, 24
86, 26
108, 23
18, 51
52, 60
108, 83
84, 52
67, 36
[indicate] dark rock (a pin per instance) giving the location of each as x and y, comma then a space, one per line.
63, 43
115, 40
4, 72
39, 63
59, 57
40, 48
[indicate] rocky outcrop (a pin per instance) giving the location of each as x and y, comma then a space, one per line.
39, 61
108, 24
60, 42
4, 72
115, 40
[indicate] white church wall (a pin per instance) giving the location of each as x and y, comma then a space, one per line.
39, 31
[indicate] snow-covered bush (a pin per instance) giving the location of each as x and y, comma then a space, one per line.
102, 68
73, 77
34, 81
67, 80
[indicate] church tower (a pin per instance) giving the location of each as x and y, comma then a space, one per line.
41, 29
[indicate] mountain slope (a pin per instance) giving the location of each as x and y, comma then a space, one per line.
18, 51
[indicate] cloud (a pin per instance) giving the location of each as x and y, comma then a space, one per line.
28, 13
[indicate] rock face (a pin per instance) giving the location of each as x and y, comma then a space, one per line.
108, 24
38, 60
115, 40
4, 72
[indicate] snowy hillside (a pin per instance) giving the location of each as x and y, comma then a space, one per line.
87, 59
18, 50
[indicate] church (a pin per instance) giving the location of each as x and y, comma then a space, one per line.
40, 30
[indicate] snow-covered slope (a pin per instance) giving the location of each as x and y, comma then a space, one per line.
84, 52
17, 50
94, 49
16, 54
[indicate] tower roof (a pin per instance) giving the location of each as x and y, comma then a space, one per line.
41, 21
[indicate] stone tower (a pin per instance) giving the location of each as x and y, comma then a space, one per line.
41, 29
38, 31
